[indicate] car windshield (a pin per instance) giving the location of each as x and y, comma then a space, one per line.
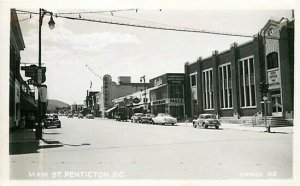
209, 117
164, 115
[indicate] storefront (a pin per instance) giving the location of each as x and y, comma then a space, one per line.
167, 94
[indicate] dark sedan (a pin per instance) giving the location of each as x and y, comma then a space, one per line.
52, 122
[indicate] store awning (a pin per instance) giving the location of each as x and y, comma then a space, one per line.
138, 106
159, 86
111, 109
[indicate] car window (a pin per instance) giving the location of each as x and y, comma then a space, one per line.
210, 117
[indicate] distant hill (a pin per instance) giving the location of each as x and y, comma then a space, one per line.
53, 104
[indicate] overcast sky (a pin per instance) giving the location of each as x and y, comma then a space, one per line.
129, 51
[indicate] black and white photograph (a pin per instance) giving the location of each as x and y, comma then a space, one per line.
154, 92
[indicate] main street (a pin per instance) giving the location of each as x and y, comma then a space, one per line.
107, 149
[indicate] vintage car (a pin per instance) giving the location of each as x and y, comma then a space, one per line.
51, 121
206, 120
136, 118
80, 115
89, 116
147, 118
163, 118
121, 116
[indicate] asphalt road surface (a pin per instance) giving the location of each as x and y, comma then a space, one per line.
107, 149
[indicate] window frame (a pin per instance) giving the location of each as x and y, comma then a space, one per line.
207, 89
247, 77
223, 105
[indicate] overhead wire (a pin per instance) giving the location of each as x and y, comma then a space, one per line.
145, 26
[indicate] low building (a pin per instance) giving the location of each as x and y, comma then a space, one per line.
21, 98
138, 102
111, 90
167, 94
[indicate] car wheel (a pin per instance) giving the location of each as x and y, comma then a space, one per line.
217, 127
152, 122
172, 124
205, 126
59, 126
194, 125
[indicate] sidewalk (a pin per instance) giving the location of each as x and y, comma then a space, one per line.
22, 141
283, 130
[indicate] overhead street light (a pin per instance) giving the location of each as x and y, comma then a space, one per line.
51, 23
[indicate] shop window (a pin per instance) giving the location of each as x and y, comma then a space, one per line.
272, 60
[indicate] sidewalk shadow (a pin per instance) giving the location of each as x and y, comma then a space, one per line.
51, 133
23, 147
59, 144
276, 132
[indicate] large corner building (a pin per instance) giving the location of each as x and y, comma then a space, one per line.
227, 83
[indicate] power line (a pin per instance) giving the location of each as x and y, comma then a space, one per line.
93, 12
153, 27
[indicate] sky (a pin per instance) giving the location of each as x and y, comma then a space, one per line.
72, 47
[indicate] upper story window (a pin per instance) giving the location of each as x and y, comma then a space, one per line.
193, 79
207, 89
272, 60
225, 86
247, 82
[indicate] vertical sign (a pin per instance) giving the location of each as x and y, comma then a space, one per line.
43, 93
39, 75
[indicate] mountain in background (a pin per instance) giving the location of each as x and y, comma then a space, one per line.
54, 104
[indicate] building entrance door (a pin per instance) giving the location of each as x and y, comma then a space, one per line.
276, 105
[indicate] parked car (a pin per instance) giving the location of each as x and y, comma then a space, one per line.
147, 118
136, 118
80, 115
89, 116
70, 116
52, 121
163, 118
206, 120
121, 116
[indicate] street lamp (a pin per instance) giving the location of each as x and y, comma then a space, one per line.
51, 23
143, 79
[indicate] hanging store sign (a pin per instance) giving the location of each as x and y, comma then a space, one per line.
274, 79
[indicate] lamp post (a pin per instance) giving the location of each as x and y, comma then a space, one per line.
143, 79
51, 23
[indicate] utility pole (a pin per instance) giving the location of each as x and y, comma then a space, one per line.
143, 79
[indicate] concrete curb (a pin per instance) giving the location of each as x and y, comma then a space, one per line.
283, 130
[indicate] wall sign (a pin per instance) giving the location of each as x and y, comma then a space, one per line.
158, 82
176, 78
274, 79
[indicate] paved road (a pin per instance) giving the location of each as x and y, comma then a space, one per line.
106, 149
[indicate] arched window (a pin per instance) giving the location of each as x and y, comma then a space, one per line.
272, 60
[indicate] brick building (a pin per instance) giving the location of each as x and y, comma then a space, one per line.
227, 83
